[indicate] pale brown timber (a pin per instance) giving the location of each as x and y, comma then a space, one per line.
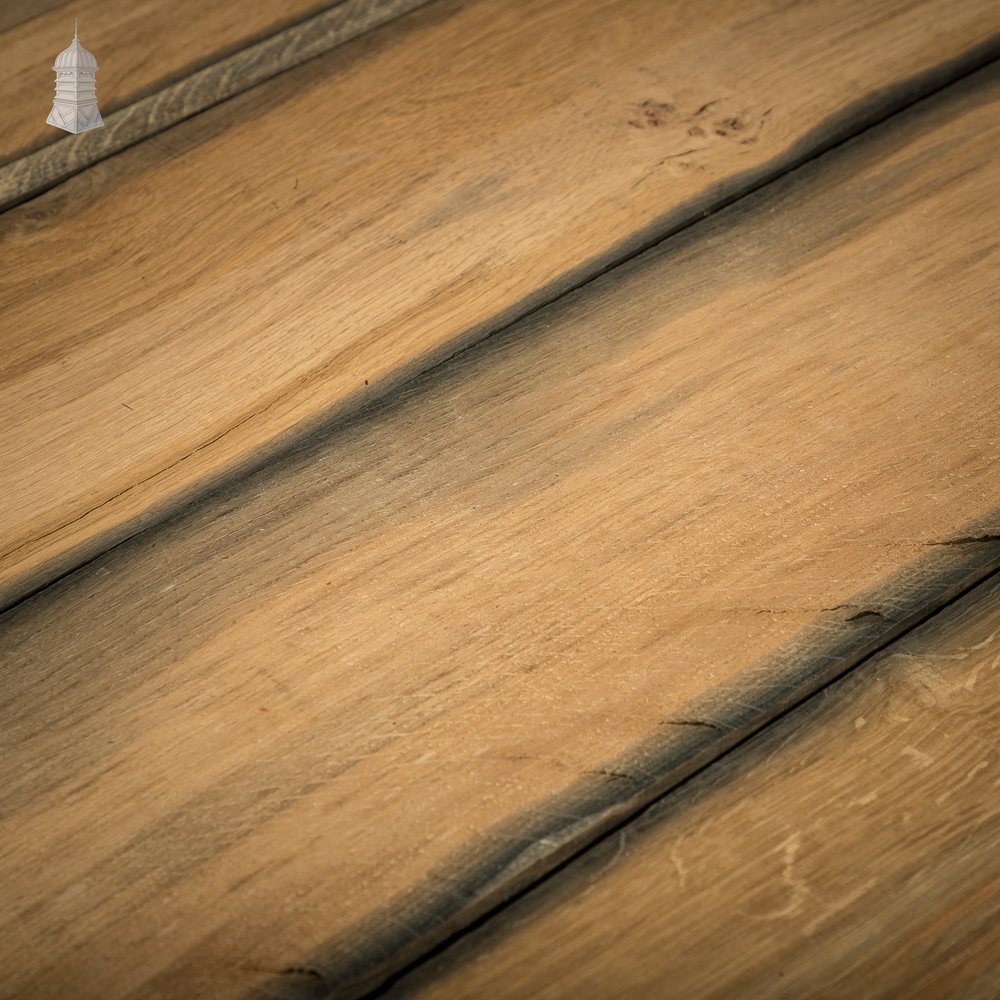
333, 712
184, 309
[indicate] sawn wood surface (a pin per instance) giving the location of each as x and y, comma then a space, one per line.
298, 733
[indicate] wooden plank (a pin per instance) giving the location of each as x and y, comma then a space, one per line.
852, 849
140, 44
333, 712
144, 94
309, 245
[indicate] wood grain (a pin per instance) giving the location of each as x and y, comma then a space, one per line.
853, 849
327, 716
187, 308
15, 12
147, 103
141, 45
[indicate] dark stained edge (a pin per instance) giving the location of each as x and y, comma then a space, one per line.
510, 860
730, 767
36, 172
858, 117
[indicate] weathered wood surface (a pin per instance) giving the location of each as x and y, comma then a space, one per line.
851, 850
179, 311
140, 99
330, 713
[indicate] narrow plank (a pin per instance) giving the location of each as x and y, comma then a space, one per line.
309, 245
132, 113
853, 849
141, 45
335, 711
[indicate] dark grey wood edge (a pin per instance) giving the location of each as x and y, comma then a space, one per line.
503, 864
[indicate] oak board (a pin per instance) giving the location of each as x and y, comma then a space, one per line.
184, 310
308, 727
851, 850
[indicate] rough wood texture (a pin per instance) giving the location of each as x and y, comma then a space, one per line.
852, 850
182, 309
131, 113
332, 712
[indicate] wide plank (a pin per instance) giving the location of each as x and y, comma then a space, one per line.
330, 714
181, 311
850, 850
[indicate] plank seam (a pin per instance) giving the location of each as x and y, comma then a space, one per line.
977, 60
975, 589
351, 982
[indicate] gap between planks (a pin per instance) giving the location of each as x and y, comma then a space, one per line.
16, 12
365, 977
813, 742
